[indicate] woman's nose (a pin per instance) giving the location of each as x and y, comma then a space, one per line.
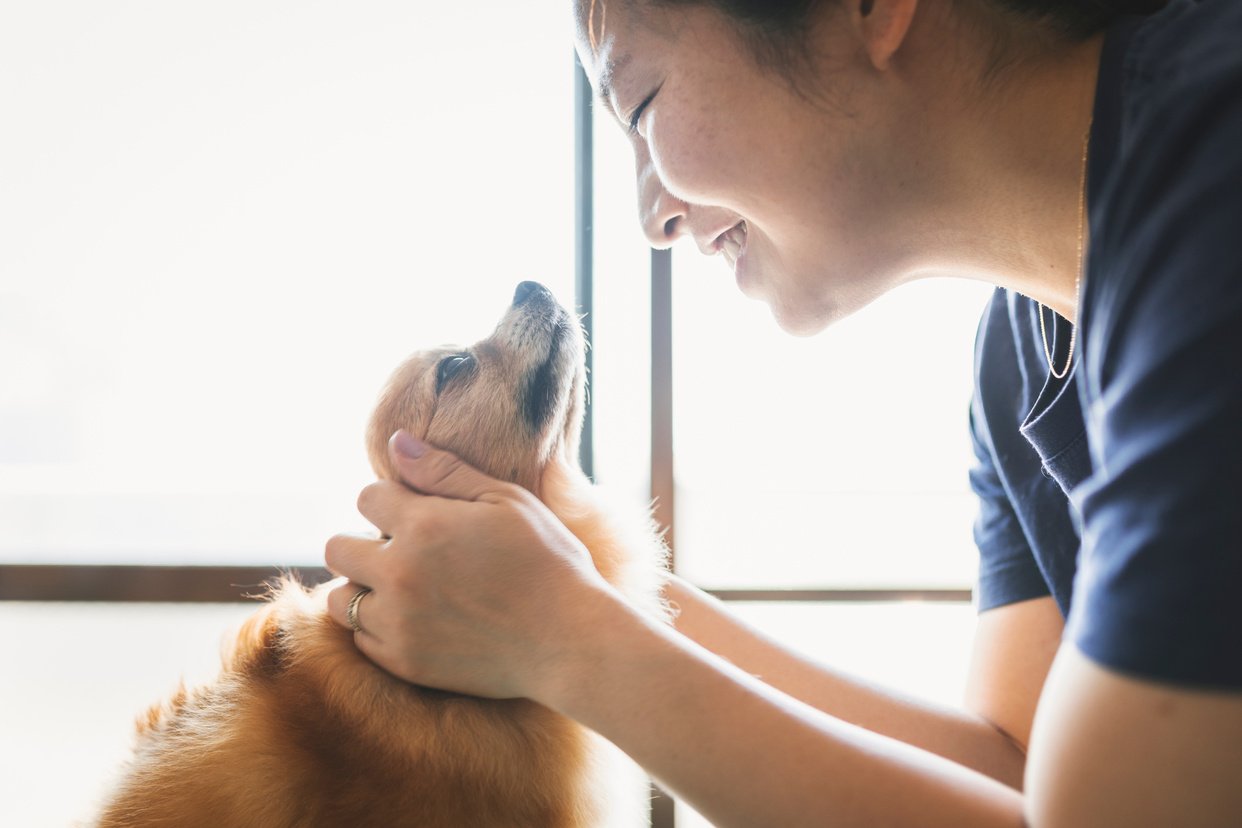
662, 215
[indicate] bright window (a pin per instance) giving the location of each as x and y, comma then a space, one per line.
221, 226
224, 224
833, 461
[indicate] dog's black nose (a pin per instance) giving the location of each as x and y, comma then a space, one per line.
526, 290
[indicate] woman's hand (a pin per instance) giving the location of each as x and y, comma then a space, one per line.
477, 588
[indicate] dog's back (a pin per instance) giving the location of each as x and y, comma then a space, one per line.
301, 730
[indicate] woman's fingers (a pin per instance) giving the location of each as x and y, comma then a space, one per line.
462, 578
392, 507
356, 557
435, 472
386, 503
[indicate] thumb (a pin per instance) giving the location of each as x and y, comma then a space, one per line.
435, 472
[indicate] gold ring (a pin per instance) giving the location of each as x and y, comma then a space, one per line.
351, 612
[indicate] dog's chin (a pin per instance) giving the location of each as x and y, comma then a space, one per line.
560, 444
553, 397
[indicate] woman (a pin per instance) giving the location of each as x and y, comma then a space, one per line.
1088, 164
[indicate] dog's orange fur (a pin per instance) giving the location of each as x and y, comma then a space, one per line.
300, 729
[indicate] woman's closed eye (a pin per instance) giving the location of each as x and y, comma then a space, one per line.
450, 367
638, 112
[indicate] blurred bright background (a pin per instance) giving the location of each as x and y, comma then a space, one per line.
222, 225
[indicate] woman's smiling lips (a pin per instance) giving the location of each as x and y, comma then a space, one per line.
732, 243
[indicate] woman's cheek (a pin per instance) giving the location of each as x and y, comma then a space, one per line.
687, 162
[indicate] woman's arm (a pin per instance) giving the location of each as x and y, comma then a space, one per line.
743, 753
1108, 750
1014, 649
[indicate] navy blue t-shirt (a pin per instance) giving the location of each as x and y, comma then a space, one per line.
1118, 490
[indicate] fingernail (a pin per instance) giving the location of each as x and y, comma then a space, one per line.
408, 446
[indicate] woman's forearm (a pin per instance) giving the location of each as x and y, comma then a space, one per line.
744, 754
955, 734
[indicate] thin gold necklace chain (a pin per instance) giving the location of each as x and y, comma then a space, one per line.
1082, 215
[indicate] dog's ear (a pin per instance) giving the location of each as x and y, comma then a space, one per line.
256, 648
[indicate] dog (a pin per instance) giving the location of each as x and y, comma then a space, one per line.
299, 729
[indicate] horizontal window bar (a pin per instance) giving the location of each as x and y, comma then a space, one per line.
223, 584
142, 583
843, 595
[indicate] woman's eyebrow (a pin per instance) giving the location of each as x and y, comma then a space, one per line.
605, 78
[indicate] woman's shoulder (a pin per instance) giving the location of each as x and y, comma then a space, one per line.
1166, 209
1187, 38
1181, 78
1161, 327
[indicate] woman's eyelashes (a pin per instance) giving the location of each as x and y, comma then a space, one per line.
638, 113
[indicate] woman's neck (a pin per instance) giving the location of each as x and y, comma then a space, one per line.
1011, 209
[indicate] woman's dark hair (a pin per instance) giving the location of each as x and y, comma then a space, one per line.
776, 32
1078, 18
1075, 18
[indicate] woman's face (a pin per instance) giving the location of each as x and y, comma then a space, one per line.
792, 191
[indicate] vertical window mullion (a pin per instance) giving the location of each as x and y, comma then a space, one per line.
584, 242
662, 489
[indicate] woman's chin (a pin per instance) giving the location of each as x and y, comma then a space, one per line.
804, 315
746, 278
799, 325
799, 315
795, 320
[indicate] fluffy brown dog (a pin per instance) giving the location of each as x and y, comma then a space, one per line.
301, 730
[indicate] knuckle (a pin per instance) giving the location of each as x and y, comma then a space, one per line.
336, 607
429, 526
441, 466
339, 597
517, 494
333, 549
365, 498
403, 580
372, 495
515, 499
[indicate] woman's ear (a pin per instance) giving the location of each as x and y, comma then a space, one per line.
883, 26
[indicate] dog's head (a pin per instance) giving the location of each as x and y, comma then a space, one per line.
507, 405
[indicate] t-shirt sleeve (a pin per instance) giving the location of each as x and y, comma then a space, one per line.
1008, 572
1159, 587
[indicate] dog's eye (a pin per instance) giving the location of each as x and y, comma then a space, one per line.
450, 367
